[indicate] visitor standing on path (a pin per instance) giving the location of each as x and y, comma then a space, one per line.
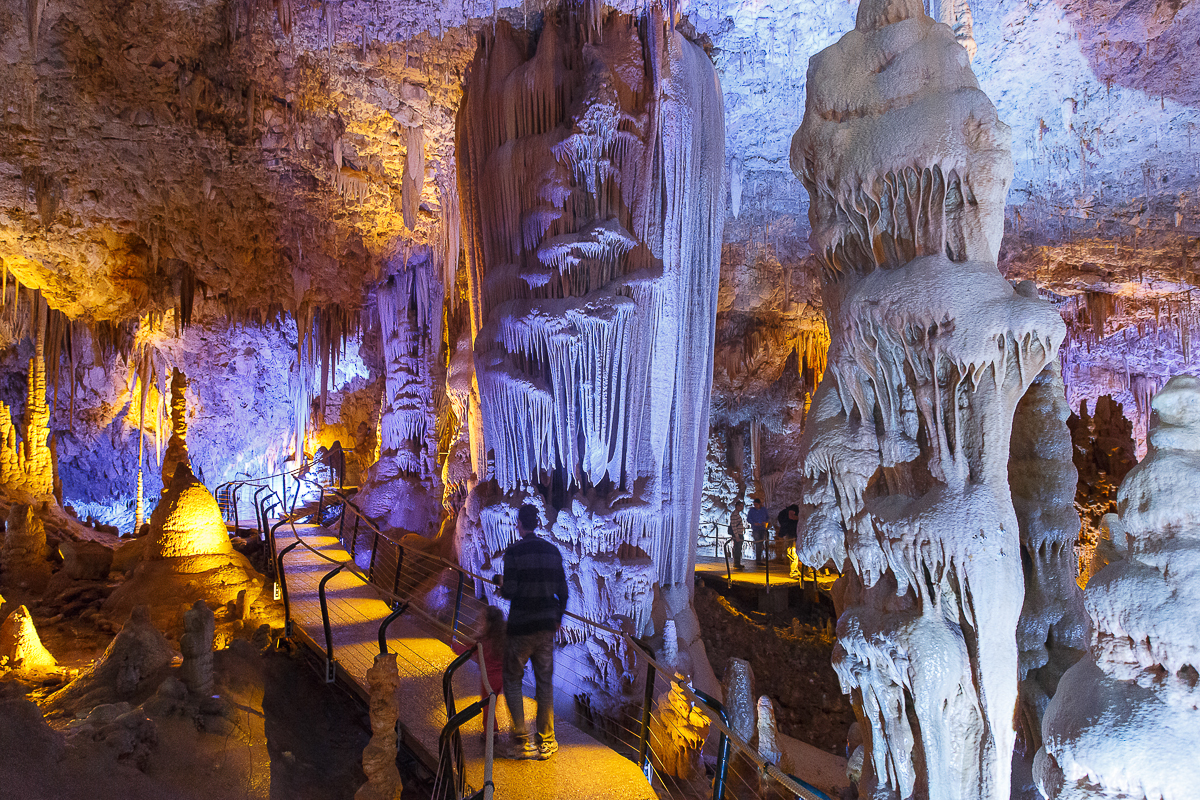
536, 584
737, 532
757, 517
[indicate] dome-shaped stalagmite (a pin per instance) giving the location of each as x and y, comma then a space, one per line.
1125, 721
187, 556
21, 649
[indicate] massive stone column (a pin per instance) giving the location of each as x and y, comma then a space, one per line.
591, 180
1125, 722
907, 445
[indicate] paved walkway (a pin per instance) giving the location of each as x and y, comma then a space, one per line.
582, 768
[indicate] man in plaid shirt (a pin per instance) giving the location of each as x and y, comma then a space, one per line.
536, 584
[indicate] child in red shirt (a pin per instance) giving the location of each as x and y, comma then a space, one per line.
491, 643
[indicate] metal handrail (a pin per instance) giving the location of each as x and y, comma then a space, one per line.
238, 484
722, 746
653, 667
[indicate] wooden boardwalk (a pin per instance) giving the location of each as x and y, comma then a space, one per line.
582, 768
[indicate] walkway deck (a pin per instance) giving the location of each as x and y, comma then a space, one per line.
582, 768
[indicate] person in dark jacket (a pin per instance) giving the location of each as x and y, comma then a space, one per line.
536, 584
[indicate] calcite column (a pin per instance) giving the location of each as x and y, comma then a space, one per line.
1052, 631
907, 444
379, 757
591, 181
403, 488
177, 452
1125, 721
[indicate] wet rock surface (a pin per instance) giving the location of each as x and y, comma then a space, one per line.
790, 655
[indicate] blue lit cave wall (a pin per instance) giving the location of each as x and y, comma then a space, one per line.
239, 411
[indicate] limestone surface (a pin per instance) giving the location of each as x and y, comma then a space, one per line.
21, 649
1125, 721
906, 447
187, 557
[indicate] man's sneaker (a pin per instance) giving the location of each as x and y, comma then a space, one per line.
546, 749
521, 750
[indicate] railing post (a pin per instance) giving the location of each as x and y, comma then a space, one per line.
647, 706
399, 566
342, 522
330, 666
768, 571
457, 609
237, 522
320, 505
728, 569
353, 537
279, 574
722, 746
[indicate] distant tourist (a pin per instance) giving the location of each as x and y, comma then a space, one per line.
536, 584
789, 518
757, 517
737, 533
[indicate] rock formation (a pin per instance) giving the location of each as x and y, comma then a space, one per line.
1125, 721
23, 554
591, 182
177, 452
21, 649
403, 489
196, 644
136, 657
27, 466
187, 556
907, 443
677, 733
1052, 632
379, 757
739, 703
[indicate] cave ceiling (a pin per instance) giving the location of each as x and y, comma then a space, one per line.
259, 150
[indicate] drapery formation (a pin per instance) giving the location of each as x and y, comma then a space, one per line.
591, 184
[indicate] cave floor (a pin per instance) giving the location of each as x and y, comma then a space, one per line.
582, 768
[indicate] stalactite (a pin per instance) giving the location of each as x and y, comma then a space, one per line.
414, 175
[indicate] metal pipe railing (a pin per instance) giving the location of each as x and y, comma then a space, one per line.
330, 668
399, 609
653, 667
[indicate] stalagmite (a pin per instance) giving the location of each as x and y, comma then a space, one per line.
186, 557
591, 179
27, 467
23, 555
1125, 721
379, 757
177, 445
906, 446
678, 730
196, 645
21, 648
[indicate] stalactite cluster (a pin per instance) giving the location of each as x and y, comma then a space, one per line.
590, 170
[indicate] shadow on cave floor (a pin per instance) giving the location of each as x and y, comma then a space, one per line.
316, 733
